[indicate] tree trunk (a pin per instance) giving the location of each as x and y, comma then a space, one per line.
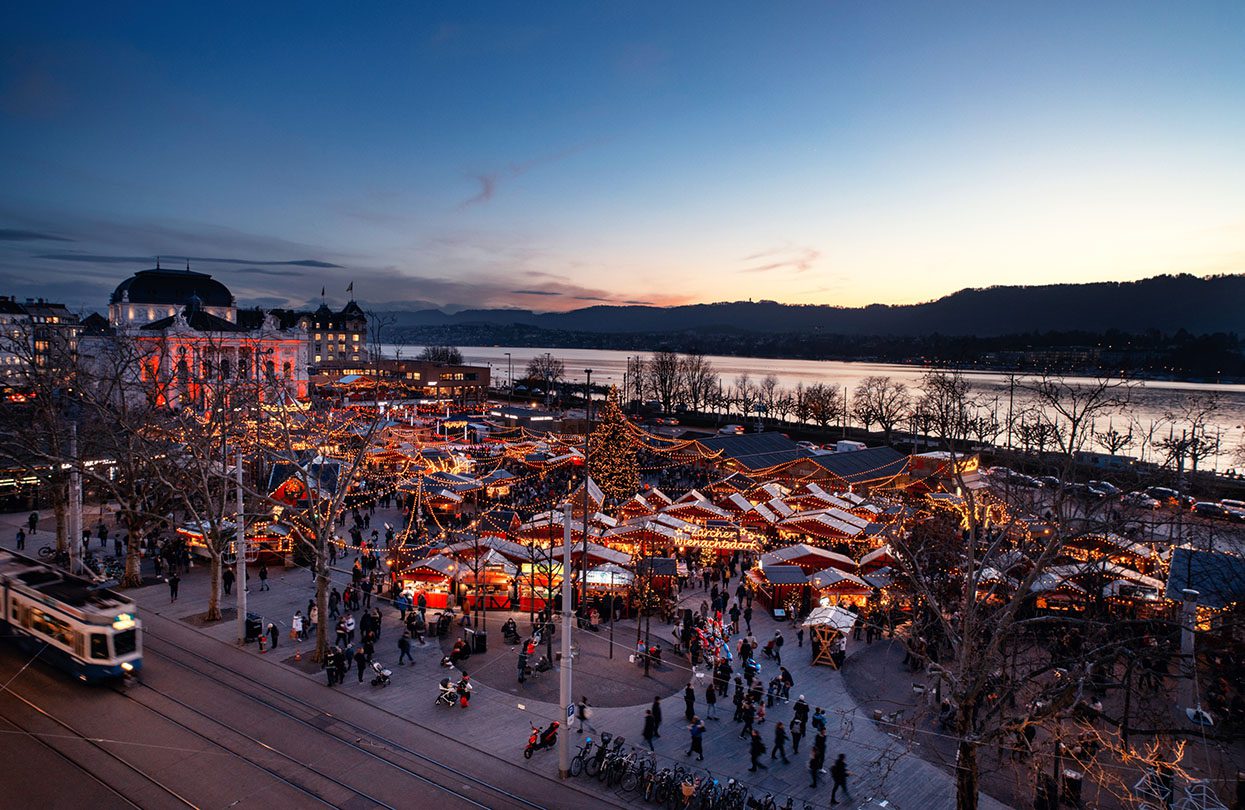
322, 609
966, 775
133, 557
213, 609
61, 511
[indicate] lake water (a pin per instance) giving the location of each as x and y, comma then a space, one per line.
1150, 401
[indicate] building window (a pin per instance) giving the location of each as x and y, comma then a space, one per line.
317, 358
355, 337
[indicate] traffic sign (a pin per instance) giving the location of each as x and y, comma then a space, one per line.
570, 710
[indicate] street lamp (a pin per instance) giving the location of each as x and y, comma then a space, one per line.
583, 560
510, 376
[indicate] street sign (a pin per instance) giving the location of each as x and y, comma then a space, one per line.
570, 710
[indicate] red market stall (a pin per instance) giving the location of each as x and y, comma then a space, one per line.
780, 586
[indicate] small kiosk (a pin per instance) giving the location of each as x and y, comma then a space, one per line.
828, 627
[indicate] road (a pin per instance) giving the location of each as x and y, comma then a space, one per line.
202, 730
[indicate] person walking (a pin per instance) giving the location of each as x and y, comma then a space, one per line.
263, 576
780, 744
756, 747
341, 632
815, 761
360, 660
838, 775
650, 728
21, 538
32, 522
656, 716
335, 600
404, 648
226, 580
797, 733
689, 702
747, 713
711, 700
174, 582
296, 626
583, 713
330, 664
697, 730
778, 642
748, 618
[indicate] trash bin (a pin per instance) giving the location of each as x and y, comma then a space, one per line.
254, 626
1072, 786
478, 639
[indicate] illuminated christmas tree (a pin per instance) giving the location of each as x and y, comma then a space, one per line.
611, 452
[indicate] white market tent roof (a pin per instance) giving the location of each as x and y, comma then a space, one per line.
839, 618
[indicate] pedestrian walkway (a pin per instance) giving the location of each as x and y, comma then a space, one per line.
499, 718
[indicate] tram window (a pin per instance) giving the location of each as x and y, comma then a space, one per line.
50, 626
99, 645
125, 642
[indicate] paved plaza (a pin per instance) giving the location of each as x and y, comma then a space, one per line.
502, 711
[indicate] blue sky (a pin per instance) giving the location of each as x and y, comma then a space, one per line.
555, 155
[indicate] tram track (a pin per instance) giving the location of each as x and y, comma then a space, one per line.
80, 736
310, 792
359, 739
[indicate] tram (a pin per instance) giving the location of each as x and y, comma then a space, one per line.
90, 632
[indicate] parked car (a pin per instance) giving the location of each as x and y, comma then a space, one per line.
1106, 489
1211, 509
1141, 500
1164, 495
730, 430
1050, 481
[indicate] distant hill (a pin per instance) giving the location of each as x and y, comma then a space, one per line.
1164, 303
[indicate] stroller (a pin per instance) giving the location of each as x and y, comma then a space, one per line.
382, 674
448, 694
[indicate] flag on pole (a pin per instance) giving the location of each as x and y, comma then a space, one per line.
321, 292
350, 287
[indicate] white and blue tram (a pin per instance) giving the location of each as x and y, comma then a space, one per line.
90, 632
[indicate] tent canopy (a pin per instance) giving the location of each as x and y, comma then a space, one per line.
838, 618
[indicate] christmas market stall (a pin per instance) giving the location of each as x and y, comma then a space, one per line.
435, 577
271, 542
840, 587
828, 626
780, 588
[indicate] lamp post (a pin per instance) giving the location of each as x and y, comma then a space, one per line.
583, 559
509, 377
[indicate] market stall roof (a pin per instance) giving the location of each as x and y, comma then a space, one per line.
834, 616
813, 557
780, 574
1218, 578
754, 451
840, 581
438, 563
610, 574
658, 566
882, 555
862, 466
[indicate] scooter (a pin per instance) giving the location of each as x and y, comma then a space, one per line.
382, 674
539, 740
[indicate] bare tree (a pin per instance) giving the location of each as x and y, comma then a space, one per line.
698, 381
441, 354
824, 403
880, 400
664, 378
546, 369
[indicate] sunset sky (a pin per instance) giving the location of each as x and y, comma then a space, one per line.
554, 155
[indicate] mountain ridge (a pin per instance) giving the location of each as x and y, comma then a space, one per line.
1167, 303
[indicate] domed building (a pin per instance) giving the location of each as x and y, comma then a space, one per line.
150, 295
192, 343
